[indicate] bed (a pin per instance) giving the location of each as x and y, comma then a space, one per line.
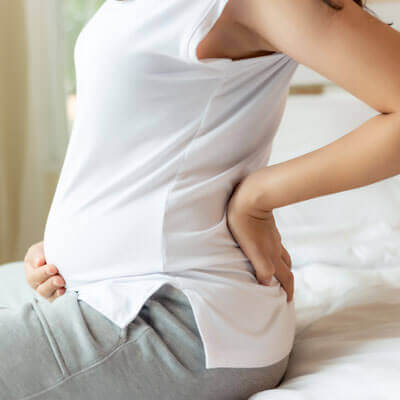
345, 250
347, 343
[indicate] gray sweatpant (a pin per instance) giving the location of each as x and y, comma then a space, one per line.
66, 350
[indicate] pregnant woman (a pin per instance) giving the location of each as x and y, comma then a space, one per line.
174, 283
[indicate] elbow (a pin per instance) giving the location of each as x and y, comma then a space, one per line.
395, 105
395, 115
392, 102
395, 109
395, 112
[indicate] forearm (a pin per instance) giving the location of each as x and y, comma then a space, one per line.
366, 155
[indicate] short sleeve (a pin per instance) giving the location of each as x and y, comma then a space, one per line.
204, 18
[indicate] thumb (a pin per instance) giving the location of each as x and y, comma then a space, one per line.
263, 266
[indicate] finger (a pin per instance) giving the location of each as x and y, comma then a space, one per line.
263, 266
35, 256
286, 278
57, 293
37, 276
286, 257
265, 272
48, 288
61, 291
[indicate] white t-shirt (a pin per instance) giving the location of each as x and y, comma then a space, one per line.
159, 141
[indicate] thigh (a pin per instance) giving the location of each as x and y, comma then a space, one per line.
28, 364
14, 289
160, 357
67, 350
174, 333
43, 345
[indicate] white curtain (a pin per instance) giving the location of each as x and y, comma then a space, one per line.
33, 124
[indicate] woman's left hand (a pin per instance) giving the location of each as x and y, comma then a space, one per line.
258, 237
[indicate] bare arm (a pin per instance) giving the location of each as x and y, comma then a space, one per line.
359, 53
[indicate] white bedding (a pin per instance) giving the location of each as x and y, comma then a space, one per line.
345, 249
347, 343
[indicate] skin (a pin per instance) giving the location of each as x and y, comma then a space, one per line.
359, 53
351, 48
42, 277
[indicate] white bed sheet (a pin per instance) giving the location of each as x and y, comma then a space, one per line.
347, 343
345, 249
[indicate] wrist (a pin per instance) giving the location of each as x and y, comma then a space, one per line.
251, 195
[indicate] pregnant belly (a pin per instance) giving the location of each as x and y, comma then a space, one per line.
89, 248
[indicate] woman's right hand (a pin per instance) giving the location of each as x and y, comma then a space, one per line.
42, 277
258, 237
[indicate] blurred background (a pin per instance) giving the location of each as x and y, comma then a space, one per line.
37, 107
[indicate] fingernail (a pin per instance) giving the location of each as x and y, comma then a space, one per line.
57, 282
